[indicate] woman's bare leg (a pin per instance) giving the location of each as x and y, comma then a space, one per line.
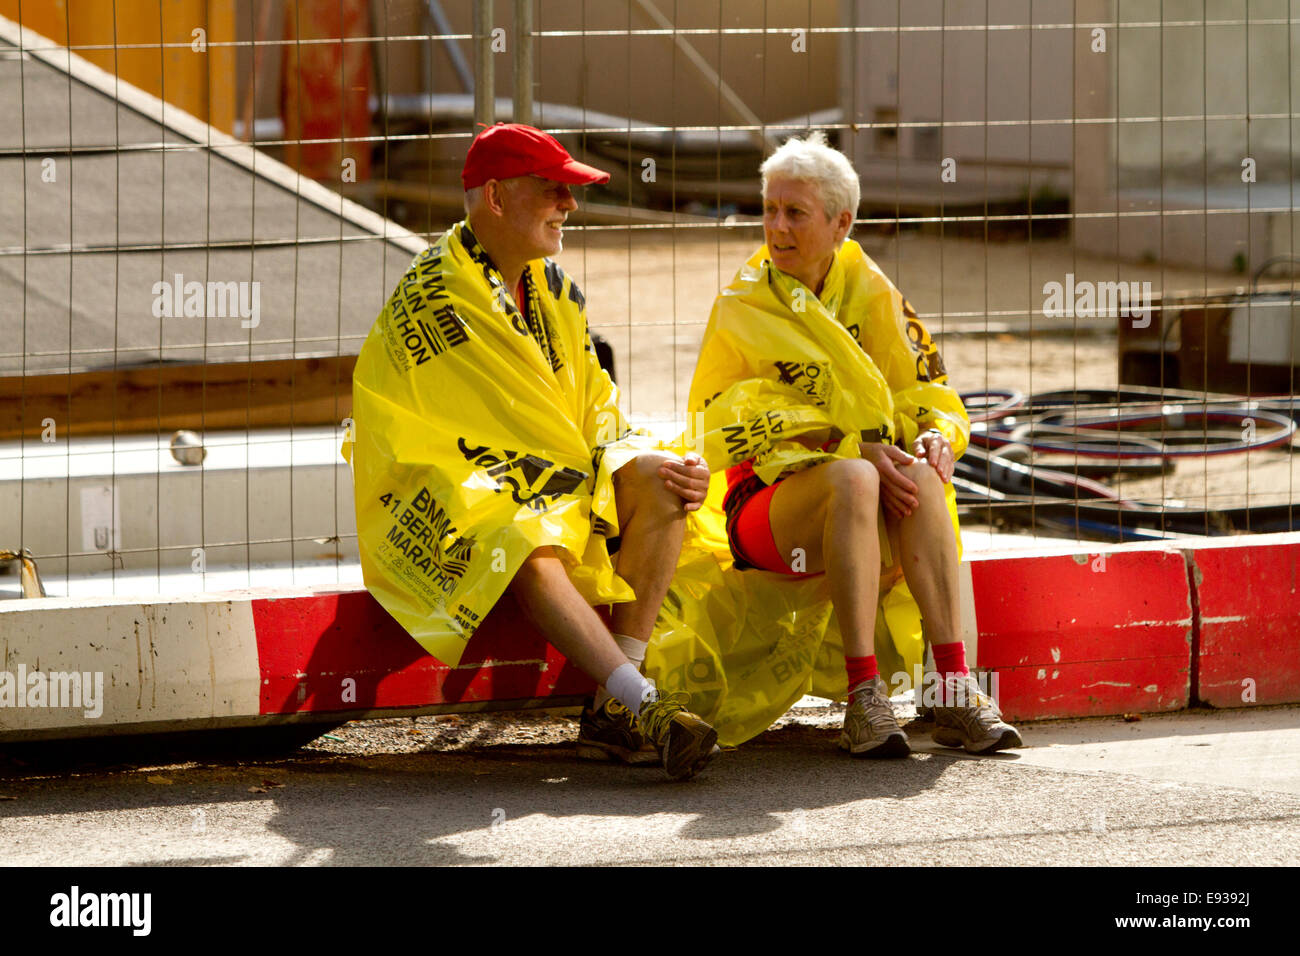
831, 511
928, 555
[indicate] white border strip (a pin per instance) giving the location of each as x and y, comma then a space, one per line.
1172, 545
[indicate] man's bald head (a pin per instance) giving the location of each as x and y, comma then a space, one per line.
519, 219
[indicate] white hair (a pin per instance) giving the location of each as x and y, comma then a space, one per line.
811, 160
474, 197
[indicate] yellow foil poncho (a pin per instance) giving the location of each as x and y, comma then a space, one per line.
481, 433
778, 362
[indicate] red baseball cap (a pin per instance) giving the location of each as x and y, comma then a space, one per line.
507, 150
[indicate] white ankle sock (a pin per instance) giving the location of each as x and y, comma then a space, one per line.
629, 688
634, 651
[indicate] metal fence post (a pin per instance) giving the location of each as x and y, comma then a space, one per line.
484, 72
524, 61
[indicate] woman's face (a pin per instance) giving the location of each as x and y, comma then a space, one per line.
800, 239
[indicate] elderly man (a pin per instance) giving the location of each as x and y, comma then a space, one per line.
823, 391
490, 453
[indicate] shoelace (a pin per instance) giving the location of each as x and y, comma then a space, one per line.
661, 713
883, 723
978, 704
880, 713
616, 708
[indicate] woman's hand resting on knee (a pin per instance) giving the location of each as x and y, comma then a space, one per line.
931, 446
897, 492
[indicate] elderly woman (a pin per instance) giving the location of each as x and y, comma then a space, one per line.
814, 377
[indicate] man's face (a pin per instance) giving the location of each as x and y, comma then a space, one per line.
534, 209
799, 237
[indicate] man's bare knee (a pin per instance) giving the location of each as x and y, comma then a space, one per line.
540, 570
641, 472
638, 485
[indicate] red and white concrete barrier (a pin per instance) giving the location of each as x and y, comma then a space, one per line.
252, 658
1080, 635
1148, 627
1248, 615
1141, 628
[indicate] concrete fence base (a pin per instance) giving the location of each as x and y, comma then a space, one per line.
1145, 628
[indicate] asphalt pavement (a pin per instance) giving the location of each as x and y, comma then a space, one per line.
1203, 789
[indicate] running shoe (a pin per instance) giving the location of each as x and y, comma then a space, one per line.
971, 719
685, 741
870, 727
610, 732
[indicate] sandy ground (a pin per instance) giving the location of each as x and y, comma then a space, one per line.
654, 314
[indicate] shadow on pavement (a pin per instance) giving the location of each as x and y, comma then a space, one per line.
411, 809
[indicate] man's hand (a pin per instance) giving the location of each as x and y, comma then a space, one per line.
897, 493
688, 479
934, 448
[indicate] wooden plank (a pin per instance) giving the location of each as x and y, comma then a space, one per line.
276, 393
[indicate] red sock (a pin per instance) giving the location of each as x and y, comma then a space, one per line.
860, 669
950, 659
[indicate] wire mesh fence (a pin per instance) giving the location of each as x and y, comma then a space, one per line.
1089, 204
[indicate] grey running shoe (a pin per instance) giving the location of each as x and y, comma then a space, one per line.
610, 732
870, 727
685, 741
969, 718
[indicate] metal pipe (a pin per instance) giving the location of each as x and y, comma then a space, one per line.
484, 68
524, 61
761, 137
458, 62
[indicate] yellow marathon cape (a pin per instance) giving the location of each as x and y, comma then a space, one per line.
479, 436
778, 362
